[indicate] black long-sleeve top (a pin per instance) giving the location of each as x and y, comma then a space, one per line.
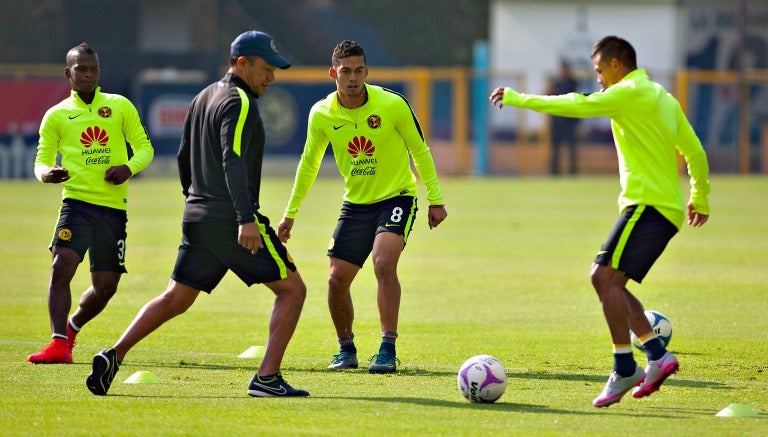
221, 153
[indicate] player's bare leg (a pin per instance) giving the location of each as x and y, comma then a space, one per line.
175, 300
609, 285
95, 298
290, 294
386, 253
340, 277
268, 381
387, 248
63, 267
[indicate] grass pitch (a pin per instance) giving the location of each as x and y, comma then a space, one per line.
506, 274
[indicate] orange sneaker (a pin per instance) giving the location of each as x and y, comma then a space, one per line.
57, 351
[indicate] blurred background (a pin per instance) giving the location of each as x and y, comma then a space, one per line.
444, 55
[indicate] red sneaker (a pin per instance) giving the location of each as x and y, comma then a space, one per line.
71, 335
57, 351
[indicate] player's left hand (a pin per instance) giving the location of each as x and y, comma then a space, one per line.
118, 174
696, 219
284, 229
496, 96
436, 215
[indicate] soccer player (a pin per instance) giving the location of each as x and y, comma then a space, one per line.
648, 128
373, 133
91, 131
220, 159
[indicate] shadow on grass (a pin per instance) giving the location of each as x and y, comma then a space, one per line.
466, 405
578, 377
406, 372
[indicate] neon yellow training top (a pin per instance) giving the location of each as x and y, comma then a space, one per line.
92, 138
648, 125
371, 145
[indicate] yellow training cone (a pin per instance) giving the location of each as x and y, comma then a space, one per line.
253, 352
737, 410
142, 377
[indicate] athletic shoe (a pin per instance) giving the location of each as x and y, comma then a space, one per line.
105, 367
383, 363
617, 386
57, 351
71, 335
272, 387
344, 360
656, 372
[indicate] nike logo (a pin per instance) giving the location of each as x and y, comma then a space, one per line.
72, 117
339, 126
389, 225
272, 390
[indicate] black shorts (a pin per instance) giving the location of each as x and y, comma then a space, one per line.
637, 240
98, 230
358, 226
209, 249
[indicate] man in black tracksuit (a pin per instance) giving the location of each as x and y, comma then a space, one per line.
220, 160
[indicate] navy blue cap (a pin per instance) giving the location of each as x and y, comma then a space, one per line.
260, 44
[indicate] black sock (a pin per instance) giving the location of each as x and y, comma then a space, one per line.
624, 364
654, 350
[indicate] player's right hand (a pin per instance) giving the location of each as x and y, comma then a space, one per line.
55, 175
284, 229
249, 237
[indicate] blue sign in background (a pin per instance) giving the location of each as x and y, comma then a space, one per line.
284, 110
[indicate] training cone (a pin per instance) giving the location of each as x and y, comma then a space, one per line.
253, 352
737, 410
142, 377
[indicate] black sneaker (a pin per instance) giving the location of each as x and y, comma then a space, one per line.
105, 368
274, 386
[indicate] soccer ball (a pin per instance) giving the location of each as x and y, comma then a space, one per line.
482, 378
661, 326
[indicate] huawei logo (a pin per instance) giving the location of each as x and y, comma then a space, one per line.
94, 135
360, 145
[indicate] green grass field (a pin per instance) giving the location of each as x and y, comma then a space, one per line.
506, 275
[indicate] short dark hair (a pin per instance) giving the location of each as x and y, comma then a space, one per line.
614, 47
346, 49
81, 48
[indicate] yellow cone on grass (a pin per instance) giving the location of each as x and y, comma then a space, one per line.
737, 410
142, 377
253, 352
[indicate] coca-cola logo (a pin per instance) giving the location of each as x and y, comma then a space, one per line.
365, 171
96, 160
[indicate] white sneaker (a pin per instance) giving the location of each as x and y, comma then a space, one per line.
656, 372
617, 386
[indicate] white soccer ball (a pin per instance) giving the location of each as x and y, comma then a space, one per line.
661, 326
482, 378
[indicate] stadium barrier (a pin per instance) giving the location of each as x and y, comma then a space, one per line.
728, 110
